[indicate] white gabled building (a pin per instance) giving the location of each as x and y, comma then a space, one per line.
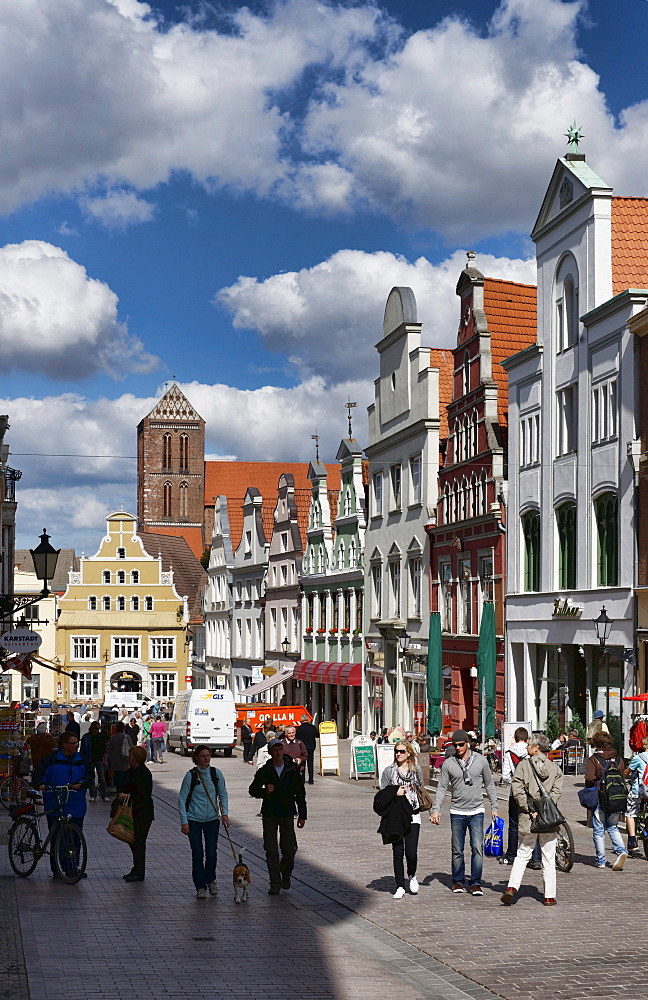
249, 569
573, 418
217, 602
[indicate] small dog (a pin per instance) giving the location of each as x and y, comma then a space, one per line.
241, 879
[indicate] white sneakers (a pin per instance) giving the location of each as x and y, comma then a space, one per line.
213, 889
619, 863
201, 893
414, 886
400, 892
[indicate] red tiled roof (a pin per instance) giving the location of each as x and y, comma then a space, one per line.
192, 536
231, 479
442, 358
511, 314
629, 244
188, 575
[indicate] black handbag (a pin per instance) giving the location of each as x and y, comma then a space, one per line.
548, 815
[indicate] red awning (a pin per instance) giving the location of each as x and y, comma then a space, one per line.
323, 673
310, 669
300, 669
350, 675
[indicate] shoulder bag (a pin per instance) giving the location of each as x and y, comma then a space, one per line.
548, 815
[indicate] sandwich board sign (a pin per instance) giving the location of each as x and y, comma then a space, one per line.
329, 750
363, 757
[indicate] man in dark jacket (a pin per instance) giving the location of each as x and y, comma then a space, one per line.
308, 734
64, 766
278, 784
72, 725
93, 751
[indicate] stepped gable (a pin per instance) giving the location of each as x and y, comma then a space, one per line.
629, 244
188, 575
174, 405
512, 317
231, 480
443, 359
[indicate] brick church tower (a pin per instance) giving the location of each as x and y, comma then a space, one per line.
171, 470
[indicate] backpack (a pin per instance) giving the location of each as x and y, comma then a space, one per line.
613, 791
194, 781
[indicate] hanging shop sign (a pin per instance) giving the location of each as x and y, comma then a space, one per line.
21, 640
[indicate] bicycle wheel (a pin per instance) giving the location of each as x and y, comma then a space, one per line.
10, 790
70, 853
564, 849
24, 851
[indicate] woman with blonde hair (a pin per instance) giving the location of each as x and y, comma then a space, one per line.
407, 777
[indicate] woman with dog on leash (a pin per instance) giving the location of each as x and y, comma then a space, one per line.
407, 776
201, 794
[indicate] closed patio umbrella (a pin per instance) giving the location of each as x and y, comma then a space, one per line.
434, 676
486, 668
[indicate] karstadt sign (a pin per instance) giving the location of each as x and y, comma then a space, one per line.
21, 640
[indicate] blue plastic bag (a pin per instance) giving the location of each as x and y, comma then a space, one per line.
494, 838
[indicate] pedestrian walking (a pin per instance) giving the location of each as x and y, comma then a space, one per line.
40, 744
201, 793
93, 751
512, 757
64, 766
146, 734
535, 768
278, 784
72, 725
604, 767
309, 735
467, 774
117, 748
138, 783
595, 726
406, 777
158, 731
294, 748
246, 738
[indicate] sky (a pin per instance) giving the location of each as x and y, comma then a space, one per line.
224, 195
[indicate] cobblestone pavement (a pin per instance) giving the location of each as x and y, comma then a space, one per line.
337, 934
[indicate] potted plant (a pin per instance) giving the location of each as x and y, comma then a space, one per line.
309, 630
332, 631
321, 631
345, 631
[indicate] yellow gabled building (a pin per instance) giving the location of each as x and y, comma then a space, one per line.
123, 619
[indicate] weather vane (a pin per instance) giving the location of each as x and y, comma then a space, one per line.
349, 407
315, 438
573, 135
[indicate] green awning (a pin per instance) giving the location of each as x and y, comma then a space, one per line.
434, 676
486, 667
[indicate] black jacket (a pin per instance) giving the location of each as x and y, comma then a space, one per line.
396, 813
246, 732
259, 740
289, 795
308, 734
138, 784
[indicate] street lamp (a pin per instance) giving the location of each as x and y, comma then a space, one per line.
403, 641
285, 645
44, 557
603, 627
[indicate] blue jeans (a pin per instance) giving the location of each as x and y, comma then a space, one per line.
459, 825
203, 862
149, 755
603, 823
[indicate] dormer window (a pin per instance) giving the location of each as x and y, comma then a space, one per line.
121, 553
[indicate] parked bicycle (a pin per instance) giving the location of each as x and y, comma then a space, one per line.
14, 786
565, 848
64, 842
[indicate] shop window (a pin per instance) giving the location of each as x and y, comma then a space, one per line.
607, 531
566, 524
531, 534
86, 685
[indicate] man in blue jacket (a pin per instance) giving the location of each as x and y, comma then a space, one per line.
64, 766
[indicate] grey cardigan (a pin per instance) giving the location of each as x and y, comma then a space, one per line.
465, 798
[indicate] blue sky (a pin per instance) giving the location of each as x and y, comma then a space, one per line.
227, 194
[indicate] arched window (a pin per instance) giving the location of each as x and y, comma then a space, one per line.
607, 532
92, 604
121, 553
464, 499
148, 603
455, 497
567, 307
475, 495
531, 533
134, 603
184, 501
105, 576
483, 498
457, 440
446, 504
166, 452
347, 502
352, 552
167, 500
466, 373
466, 435
566, 525
121, 576
135, 576
121, 603
475, 447
105, 603
184, 453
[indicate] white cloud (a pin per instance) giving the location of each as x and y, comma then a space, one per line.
327, 318
118, 209
57, 320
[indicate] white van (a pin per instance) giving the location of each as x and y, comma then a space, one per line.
132, 700
203, 717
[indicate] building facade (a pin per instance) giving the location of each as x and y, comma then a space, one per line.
122, 622
574, 418
249, 570
468, 542
403, 453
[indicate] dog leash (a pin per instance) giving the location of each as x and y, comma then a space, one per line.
220, 813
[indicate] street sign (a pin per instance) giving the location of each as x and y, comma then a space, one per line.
21, 640
363, 757
269, 671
